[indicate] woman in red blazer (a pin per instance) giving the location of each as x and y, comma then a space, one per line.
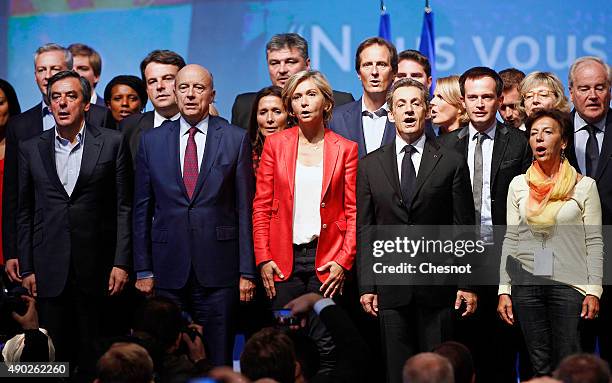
304, 208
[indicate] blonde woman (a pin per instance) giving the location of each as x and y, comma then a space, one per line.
542, 90
447, 109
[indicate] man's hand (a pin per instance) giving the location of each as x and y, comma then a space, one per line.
303, 304
369, 302
335, 281
504, 309
146, 285
12, 270
247, 289
29, 320
195, 347
267, 271
118, 279
29, 283
590, 307
470, 299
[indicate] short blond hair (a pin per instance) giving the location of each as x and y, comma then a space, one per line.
320, 82
551, 81
448, 87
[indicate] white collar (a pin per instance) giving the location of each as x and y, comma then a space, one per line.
400, 143
201, 126
363, 107
489, 132
580, 123
158, 119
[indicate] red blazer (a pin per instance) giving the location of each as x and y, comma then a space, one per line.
273, 204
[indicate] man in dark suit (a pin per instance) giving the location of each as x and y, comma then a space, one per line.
158, 71
412, 181
75, 187
88, 63
48, 60
590, 153
193, 213
495, 155
365, 121
286, 54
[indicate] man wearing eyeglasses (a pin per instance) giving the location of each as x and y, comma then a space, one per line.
590, 153
193, 240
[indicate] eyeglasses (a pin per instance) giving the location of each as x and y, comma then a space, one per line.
541, 94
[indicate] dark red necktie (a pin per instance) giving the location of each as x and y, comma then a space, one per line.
190, 166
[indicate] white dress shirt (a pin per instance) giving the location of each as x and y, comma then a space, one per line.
158, 119
419, 145
582, 135
48, 119
94, 97
200, 139
487, 155
306, 203
373, 127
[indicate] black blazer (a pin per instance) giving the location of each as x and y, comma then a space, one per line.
442, 196
241, 110
511, 157
22, 127
133, 127
89, 231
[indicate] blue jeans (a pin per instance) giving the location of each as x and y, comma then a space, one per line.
549, 317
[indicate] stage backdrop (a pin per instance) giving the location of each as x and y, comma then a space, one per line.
229, 36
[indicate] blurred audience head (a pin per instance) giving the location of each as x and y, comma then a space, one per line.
158, 70
460, 358
583, 368
160, 318
87, 62
125, 95
48, 60
415, 65
286, 54
9, 103
510, 109
428, 367
268, 116
542, 90
269, 354
125, 363
590, 79
447, 109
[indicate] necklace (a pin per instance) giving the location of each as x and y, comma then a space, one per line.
314, 147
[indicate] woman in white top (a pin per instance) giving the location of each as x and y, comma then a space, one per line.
552, 258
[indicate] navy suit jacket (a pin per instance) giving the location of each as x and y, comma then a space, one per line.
212, 232
347, 122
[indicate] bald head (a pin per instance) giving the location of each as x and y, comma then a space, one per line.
194, 92
428, 367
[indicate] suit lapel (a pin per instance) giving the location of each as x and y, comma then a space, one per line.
461, 145
290, 157
389, 135
500, 143
37, 121
388, 162
46, 147
91, 153
570, 151
355, 125
213, 138
606, 147
331, 148
429, 160
174, 157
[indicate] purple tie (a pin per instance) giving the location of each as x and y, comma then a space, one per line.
190, 167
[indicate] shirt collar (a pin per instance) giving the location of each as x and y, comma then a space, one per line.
43, 106
580, 123
80, 136
94, 97
489, 132
363, 107
158, 119
201, 126
400, 143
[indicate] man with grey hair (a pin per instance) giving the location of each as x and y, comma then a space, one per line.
286, 54
49, 59
428, 367
590, 153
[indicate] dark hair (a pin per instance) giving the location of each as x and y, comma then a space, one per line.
85, 86
133, 82
479, 72
257, 139
562, 118
11, 97
161, 318
460, 358
407, 82
269, 354
418, 57
511, 77
376, 41
583, 368
85, 50
127, 363
288, 40
161, 56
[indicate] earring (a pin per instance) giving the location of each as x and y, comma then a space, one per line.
562, 155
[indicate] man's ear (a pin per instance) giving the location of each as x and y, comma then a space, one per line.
308, 63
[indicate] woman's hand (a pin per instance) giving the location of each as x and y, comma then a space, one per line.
504, 309
335, 282
267, 271
590, 307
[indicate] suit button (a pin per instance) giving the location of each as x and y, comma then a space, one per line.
324, 226
322, 204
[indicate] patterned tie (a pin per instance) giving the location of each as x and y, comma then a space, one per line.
477, 182
592, 151
190, 166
